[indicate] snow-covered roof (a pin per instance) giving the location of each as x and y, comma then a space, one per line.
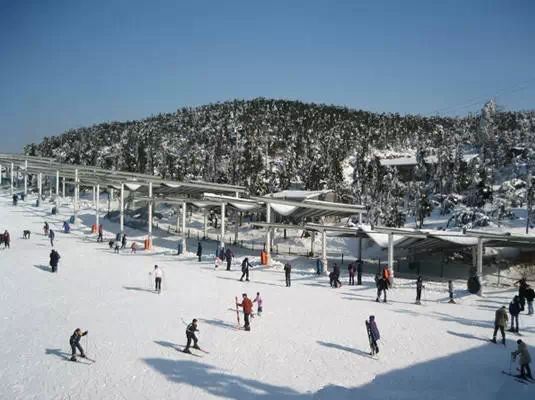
410, 161
299, 194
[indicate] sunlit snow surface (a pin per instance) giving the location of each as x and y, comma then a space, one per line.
309, 343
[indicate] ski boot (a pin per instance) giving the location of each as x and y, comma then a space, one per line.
493, 340
73, 358
195, 346
186, 350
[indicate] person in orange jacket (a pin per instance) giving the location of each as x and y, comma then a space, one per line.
247, 306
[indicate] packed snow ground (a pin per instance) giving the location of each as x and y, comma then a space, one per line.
309, 343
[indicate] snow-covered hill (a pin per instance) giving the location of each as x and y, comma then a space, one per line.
309, 343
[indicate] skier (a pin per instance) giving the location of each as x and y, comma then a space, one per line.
514, 310
123, 242
351, 271
26, 234
7, 239
382, 286
100, 233
373, 334
46, 228
450, 291
133, 248
530, 295
51, 236
190, 335
111, 243
359, 272
199, 251
500, 322
258, 300
118, 237
229, 255
75, 343
158, 275
386, 275
287, 274
245, 265
66, 227
247, 306
524, 360
336, 276
419, 287
117, 246
15, 199
54, 259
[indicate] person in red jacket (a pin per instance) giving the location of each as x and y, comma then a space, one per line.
247, 306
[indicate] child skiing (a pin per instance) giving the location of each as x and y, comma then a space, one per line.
74, 341
524, 360
382, 286
373, 335
190, 335
258, 301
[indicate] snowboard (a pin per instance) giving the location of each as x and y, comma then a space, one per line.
370, 338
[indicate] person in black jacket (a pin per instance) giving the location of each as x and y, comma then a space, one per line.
382, 286
359, 272
229, 255
245, 269
530, 295
123, 242
514, 310
54, 259
419, 287
199, 251
287, 274
351, 271
75, 343
336, 276
190, 335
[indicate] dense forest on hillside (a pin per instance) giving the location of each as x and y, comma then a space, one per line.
266, 145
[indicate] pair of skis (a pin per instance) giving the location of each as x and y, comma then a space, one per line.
519, 378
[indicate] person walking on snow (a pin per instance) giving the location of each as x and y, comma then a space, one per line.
51, 236
351, 272
123, 242
524, 360
74, 341
100, 237
245, 265
229, 255
247, 306
7, 240
190, 335
530, 295
375, 336
500, 322
45, 229
54, 260
514, 310
258, 301
133, 248
199, 251
117, 246
450, 291
158, 275
287, 274
336, 276
359, 272
382, 286
419, 287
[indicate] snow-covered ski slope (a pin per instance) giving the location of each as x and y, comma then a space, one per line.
310, 342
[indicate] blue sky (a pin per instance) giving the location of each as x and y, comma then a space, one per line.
66, 64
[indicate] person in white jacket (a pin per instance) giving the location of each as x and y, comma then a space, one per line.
158, 275
524, 359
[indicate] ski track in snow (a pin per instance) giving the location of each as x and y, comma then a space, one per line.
310, 342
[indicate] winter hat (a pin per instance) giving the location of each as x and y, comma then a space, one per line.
372, 317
